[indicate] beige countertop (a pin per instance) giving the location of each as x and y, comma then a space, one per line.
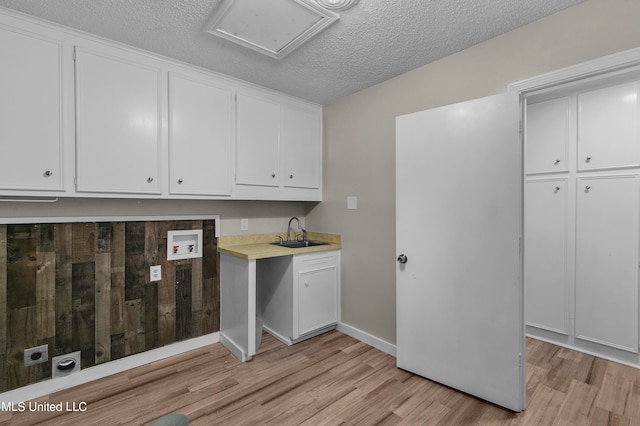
256, 246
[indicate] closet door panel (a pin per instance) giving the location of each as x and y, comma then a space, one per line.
607, 261
608, 128
547, 136
546, 263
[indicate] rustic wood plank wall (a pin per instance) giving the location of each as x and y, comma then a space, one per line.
85, 286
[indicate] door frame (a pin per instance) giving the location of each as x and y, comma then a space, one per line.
609, 69
621, 64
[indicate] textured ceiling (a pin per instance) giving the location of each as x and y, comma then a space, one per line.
374, 41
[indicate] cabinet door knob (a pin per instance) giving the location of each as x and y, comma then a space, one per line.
557, 188
588, 159
273, 175
402, 258
290, 176
587, 188
48, 173
180, 180
306, 283
149, 179
557, 162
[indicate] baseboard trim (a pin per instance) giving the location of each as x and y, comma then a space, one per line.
367, 338
234, 348
46, 387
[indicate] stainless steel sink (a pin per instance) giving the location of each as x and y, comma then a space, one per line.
299, 244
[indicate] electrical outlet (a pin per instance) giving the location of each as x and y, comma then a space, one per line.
36, 355
244, 224
155, 273
63, 365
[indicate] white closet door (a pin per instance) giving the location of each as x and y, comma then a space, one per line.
547, 136
607, 261
608, 128
546, 263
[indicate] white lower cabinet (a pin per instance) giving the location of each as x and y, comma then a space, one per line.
546, 262
607, 261
298, 296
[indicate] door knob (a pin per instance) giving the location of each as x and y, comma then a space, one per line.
402, 258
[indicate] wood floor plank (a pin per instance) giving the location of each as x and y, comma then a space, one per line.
333, 379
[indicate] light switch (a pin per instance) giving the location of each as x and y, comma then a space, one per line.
352, 202
244, 224
155, 273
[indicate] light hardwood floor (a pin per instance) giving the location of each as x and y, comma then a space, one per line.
334, 379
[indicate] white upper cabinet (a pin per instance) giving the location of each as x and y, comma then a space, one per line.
608, 128
547, 136
118, 113
278, 148
81, 116
200, 136
257, 141
30, 112
302, 150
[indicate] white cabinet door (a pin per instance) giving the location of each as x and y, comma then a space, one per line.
315, 291
547, 136
608, 128
546, 275
301, 147
30, 112
118, 124
317, 299
607, 261
257, 141
199, 137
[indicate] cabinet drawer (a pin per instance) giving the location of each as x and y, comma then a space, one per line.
312, 261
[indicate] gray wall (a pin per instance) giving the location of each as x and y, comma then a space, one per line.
359, 137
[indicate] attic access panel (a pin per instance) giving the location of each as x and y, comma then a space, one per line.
274, 28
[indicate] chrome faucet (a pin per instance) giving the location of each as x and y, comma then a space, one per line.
304, 232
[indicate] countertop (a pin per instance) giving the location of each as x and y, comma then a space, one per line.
256, 246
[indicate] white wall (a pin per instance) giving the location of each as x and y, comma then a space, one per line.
264, 216
359, 137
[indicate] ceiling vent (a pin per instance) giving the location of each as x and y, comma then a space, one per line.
274, 28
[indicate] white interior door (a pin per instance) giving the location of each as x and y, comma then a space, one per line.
459, 182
